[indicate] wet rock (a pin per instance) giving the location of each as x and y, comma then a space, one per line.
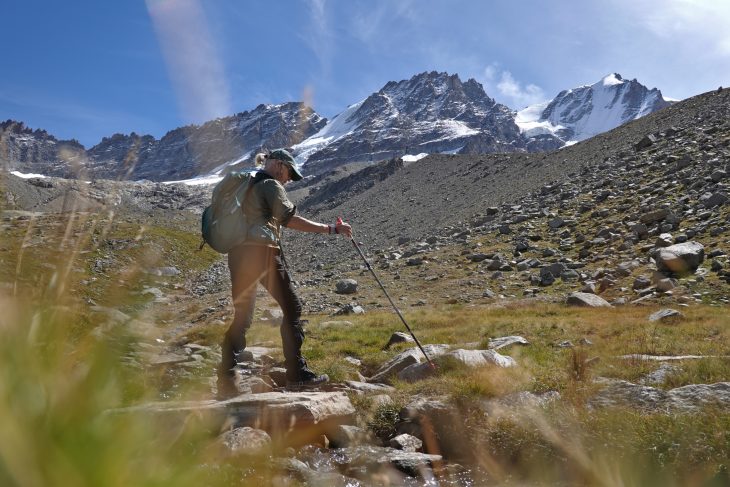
406, 442
347, 435
376, 457
246, 441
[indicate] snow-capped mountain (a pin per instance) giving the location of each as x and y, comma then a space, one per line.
431, 112
581, 113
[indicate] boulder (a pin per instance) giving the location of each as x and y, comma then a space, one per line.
690, 398
398, 337
467, 358
275, 412
680, 258
345, 435
346, 286
246, 441
404, 359
654, 216
711, 200
406, 442
587, 299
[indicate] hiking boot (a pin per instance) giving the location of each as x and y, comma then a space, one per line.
307, 378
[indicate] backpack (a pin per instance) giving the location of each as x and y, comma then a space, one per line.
223, 224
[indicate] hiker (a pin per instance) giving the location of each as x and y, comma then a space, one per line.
259, 259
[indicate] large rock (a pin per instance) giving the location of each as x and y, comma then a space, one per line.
278, 413
346, 286
688, 398
680, 258
404, 359
588, 300
467, 358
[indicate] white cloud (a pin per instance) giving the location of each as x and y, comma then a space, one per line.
318, 36
511, 92
700, 23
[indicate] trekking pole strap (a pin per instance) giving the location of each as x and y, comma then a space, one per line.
359, 251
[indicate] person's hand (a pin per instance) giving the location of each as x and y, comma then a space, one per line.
343, 228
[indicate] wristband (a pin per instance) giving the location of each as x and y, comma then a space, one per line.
335, 227
329, 229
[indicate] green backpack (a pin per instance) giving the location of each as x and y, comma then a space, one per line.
223, 224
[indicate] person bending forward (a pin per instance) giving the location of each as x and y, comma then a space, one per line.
259, 260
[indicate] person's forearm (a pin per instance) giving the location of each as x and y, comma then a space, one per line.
303, 225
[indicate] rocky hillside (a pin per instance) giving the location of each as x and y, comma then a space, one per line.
601, 208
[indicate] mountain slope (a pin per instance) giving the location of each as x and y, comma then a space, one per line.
37, 152
440, 191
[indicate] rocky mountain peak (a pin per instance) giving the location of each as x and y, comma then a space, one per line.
430, 112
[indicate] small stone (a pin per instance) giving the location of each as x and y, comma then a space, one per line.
398, 337
406, 442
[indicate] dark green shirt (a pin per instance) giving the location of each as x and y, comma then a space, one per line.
267, 208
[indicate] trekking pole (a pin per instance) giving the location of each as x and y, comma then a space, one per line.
359, 251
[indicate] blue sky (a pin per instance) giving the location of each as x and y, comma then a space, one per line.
86, 69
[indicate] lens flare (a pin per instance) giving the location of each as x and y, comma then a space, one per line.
193, 65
